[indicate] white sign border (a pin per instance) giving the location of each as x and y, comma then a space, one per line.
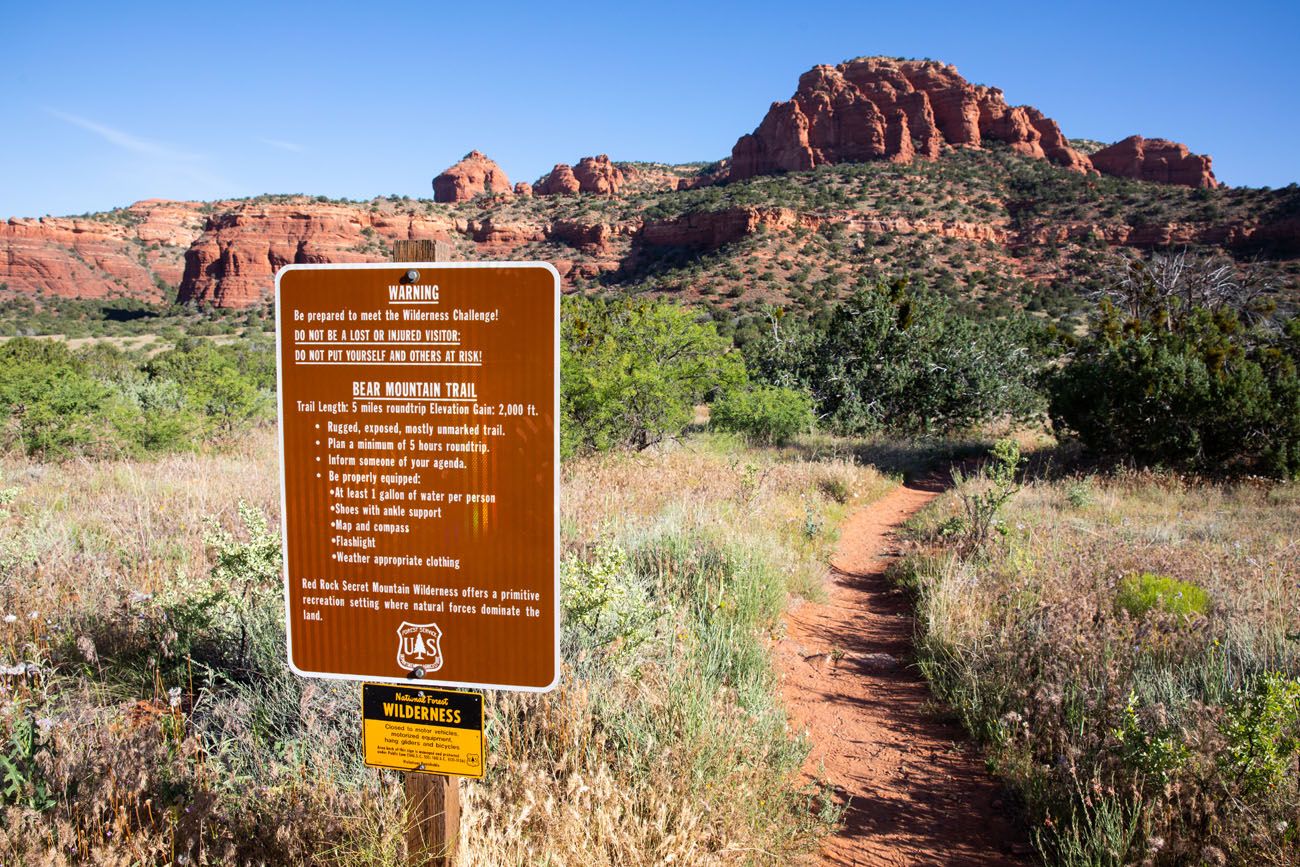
284, 508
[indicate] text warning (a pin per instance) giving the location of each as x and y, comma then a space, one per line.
419, 446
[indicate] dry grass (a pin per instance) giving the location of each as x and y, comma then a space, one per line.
1119, 730
152, 741
92, 533
668, 745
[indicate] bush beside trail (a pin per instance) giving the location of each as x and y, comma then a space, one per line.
632, 371
899, 360
100, 401
764, 414
1204, 390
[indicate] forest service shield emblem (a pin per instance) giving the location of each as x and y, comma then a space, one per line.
418, 646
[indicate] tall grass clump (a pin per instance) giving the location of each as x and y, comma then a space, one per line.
1131, 660
146, 712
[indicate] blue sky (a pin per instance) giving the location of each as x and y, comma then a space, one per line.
106, 104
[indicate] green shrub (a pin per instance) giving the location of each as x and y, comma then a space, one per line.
1079, 494
1263, 731
1142, 593
633, 370
767, 414
898, 359
246, 573
24, 755
1154, 751
227, 386
984, 493
101, 401
606, 605
1203, 391
53, 405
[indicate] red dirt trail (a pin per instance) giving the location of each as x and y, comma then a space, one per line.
917, 789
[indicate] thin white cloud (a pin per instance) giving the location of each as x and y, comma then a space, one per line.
165, 163
124, 140
282, 145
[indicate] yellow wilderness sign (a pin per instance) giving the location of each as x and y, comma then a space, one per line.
420, 728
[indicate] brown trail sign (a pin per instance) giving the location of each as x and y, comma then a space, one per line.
420, 457
419, 446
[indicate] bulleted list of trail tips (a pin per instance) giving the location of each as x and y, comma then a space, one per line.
419, 452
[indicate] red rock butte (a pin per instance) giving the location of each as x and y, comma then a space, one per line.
1155, 159
474, 175
877, 108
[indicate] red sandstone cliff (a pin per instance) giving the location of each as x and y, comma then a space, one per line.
125, 254
230, 257
598, 175
882, 108
233, 263
560, 182
591, 175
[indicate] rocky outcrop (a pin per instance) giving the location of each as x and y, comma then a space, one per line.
1281, 237
1054, 144
598, 175
657, 177
136, 252
590, 238
707, 230
1007, 123
474, 175
883, 108
233, 263
524, 190
560, 182
496, 237
1155, 159
502, 238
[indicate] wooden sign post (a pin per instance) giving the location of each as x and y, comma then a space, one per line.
432, 800
419, 445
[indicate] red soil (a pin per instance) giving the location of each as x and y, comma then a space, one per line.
916, 788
